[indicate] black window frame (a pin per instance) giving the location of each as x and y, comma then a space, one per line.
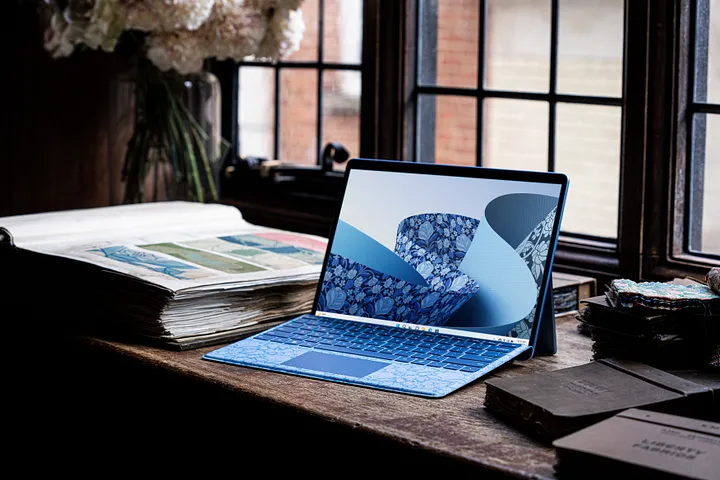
654, 184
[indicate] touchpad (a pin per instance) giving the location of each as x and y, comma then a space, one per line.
337, 364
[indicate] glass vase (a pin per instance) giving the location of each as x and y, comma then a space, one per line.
175, 150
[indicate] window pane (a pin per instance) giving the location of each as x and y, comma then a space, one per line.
342, 29
707, 53
588, 151
705, 195
448, 46
341, 110
308, 50
516, 134
517, 45
256, 112
298, 116
446, 130
590, 47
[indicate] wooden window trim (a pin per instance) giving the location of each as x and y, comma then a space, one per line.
653, 151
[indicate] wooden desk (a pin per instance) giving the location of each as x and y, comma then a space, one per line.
357, 428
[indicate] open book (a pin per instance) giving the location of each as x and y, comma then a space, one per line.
178, 273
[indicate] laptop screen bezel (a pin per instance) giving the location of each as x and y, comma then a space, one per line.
396, 166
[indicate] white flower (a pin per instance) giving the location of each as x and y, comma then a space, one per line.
167, 15
182, 33
60, 36
177, 50
98, 26
105, 26
284, 33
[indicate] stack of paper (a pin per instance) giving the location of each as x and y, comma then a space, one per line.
179, 273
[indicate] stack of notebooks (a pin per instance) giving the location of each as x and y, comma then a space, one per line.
665, 325
552, 404
174, 274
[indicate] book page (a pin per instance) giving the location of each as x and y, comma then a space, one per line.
185, 247
118, 222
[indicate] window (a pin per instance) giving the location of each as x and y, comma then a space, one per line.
623, 96
526, 84
703, 116
289, 110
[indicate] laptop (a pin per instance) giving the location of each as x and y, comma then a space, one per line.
434, 276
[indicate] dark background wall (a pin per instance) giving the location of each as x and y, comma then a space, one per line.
62, 134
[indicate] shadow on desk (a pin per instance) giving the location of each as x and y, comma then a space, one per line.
91, 410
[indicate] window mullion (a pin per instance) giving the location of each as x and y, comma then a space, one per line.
480, 105
276, 120
552, 107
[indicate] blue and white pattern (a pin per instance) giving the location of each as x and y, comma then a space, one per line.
352, 288
398, 377
434, 243
534, 250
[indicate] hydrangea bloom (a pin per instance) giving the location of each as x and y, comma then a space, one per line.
166, 15
181, 34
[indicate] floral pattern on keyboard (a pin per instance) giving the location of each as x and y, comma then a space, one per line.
400, 377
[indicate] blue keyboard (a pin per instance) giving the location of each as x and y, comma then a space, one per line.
388, 343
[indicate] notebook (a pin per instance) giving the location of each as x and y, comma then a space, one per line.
434, 276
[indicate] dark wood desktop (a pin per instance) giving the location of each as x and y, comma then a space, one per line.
165, 402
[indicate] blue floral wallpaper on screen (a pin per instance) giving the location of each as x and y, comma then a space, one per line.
480, 274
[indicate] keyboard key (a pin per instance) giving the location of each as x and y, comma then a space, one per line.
437, 364
501, 349
437, 358
278, 333
263, 337
451, 366
370, 349
333, 348
420, 349
420, 362
420, 355
494, 354
469, 369
308, 344
460, 361
403, 359
476, 358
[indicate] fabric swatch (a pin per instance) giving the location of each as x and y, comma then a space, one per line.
659, 295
